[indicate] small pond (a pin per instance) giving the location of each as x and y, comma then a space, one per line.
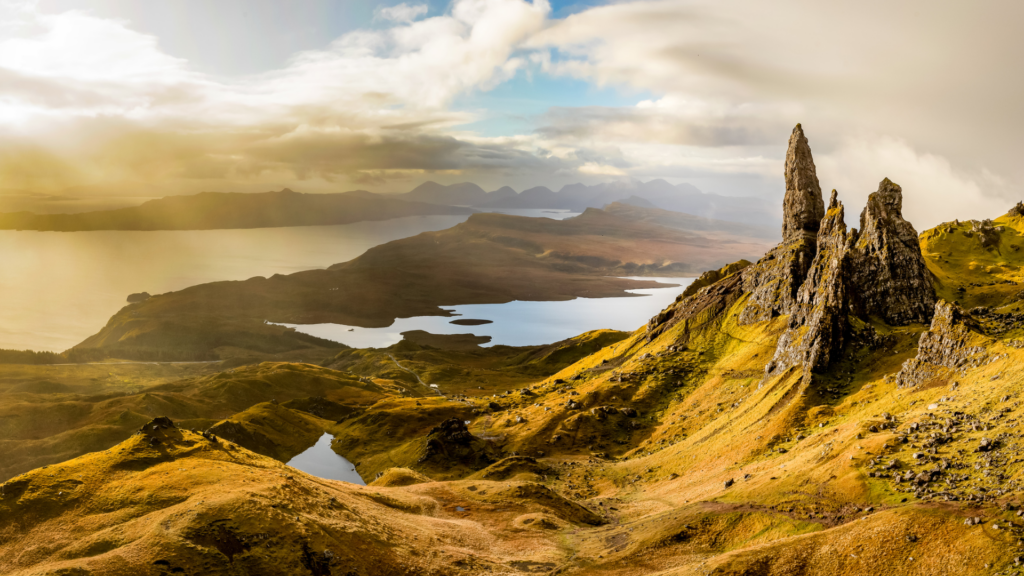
320, 460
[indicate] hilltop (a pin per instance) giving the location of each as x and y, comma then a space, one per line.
217, 210
490, 258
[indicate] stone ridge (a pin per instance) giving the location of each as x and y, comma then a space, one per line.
819, 279
888, 277
943, 350
817, 321
803, 207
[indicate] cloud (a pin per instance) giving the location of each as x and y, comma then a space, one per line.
919, 91
401, 12
103, 99
740, 74
933, 190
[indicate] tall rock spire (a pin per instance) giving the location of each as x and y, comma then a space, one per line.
775, 279
803, 207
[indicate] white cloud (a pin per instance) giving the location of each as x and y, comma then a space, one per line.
402, 12
922, 91
933, 190
73, 75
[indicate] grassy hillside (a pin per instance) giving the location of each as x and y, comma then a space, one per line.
217, 210
691, 446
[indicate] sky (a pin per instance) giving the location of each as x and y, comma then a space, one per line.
120, 97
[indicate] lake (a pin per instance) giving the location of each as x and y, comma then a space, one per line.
320, 460
518, 323
59, 288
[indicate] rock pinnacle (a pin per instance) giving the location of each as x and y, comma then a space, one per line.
803, 207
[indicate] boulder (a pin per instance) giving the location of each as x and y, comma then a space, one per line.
451, 444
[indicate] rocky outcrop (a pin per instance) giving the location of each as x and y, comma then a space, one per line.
803, 206
703, 307
451, 444
817, 322
944, 349
138, 297
887, 276
773, 282
1017, 210
775, 279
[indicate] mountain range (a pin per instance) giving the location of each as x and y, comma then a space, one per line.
578, 197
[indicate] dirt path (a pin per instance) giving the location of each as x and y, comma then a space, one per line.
418, 379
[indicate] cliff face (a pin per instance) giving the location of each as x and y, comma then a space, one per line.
944, 350
803, 206
888, 277
775, 279
817, 322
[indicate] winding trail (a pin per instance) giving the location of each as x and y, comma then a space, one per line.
418, 379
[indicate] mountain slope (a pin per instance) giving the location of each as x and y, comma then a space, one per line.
215, 210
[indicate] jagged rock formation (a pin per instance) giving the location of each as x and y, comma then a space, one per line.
817, 322
1017, 210
943, 349
819, 279
773, 282
711, 299
451, 444
138, 297
803, 207
888, 276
